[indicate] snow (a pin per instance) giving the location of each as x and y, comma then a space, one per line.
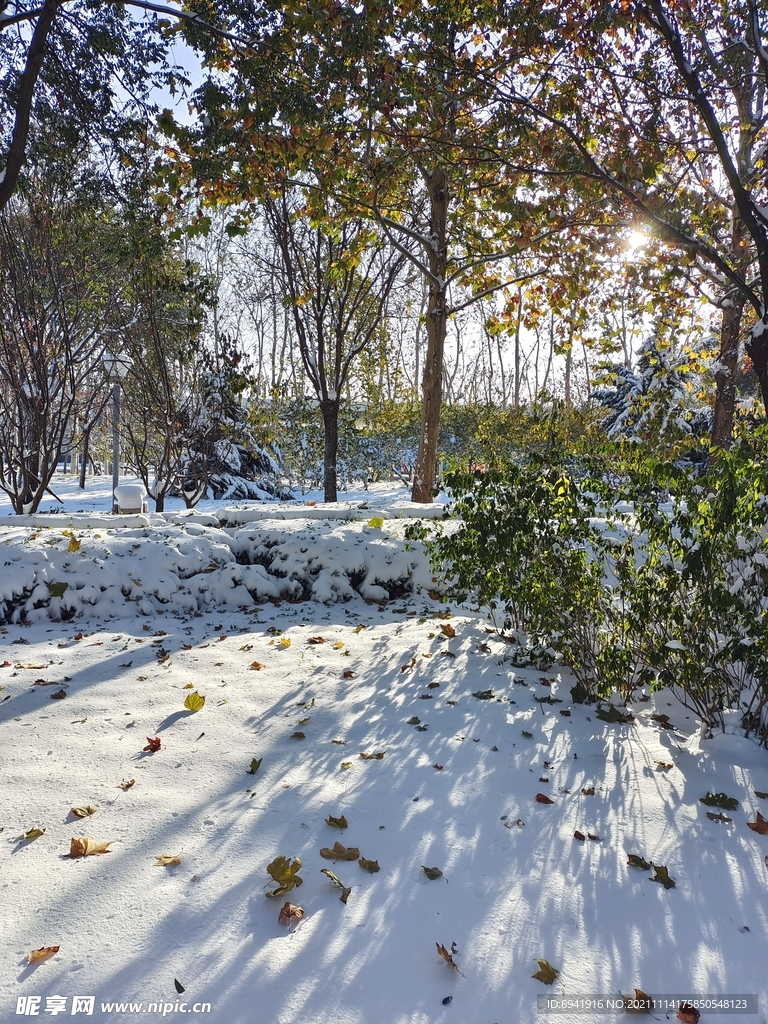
510, 893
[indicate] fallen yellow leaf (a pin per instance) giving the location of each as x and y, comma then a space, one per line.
166, 860
84, 812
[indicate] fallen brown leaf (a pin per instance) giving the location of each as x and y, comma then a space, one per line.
289, 914
760, 825
44, 953
443, 952
86, 846
257, 666
542, 798
153, 744
688, 1014
166, 860
340, 852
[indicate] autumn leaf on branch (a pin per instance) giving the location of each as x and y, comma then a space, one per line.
86, 846
546, 973
285, 873
340, 852
37, 956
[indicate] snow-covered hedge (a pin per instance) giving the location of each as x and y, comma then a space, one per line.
189, 565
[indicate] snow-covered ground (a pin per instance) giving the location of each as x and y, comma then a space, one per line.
469, 741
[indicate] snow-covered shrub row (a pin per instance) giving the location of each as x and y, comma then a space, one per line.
189, 567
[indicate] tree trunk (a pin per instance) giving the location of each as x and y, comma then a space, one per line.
84, 457
728, 359
757, 350
432, 385
330, 411
725, 375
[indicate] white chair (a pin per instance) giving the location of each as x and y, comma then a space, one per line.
129, 499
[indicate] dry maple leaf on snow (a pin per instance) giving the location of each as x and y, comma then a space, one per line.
166, 860
153, 744
340, 852
86, 846
760, 825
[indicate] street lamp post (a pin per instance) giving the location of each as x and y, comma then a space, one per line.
117, 366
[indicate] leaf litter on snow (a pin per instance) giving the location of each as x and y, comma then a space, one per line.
468, 802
